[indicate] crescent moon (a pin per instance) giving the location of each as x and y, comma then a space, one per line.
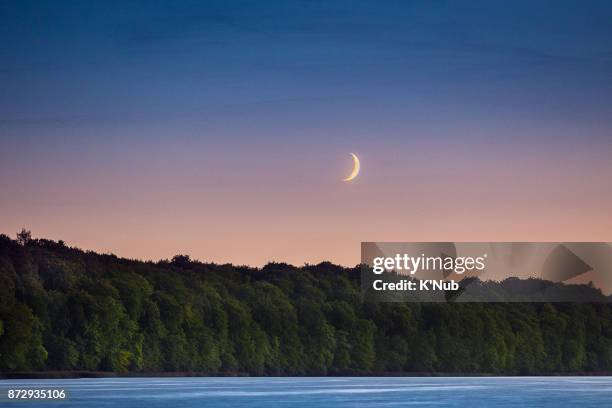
356, 167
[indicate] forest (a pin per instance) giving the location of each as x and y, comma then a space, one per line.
65, 309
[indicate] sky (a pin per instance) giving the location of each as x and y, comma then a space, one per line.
223, 129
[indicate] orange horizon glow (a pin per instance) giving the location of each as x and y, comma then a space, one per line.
290, 212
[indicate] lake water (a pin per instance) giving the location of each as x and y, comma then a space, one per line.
555, 392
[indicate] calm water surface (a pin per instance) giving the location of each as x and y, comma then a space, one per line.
555, 392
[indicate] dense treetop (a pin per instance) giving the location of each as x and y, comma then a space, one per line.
65, 309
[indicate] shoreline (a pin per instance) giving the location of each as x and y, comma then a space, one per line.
59, 375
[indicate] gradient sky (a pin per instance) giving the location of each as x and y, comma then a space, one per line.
223, 129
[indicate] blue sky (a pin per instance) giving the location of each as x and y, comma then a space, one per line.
124, 109
75, 62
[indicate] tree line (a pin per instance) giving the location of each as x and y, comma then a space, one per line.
62, 308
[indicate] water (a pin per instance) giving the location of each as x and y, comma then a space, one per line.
322, 392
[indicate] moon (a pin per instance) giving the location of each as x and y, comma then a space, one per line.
356, 168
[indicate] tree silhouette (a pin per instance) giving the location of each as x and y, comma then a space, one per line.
24, 237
